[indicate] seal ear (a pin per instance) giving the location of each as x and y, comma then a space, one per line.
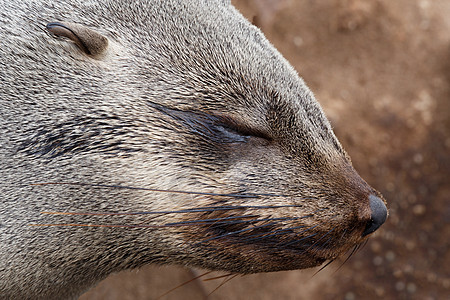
88, 40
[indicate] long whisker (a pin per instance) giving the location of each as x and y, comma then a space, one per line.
348, 257
240, 231
326, 242
260, 236
97, 225
323, 267
214, 221
218, 277
361, 246
254, 221
175, 224
183, 284
306, 237
223, 282
315, 244
189, 210
246, 195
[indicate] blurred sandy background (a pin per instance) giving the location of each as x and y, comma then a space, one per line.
381, 70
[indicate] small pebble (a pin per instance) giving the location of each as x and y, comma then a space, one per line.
411, 288
350, 296
400, 286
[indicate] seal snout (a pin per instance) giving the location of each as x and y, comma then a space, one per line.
378, 215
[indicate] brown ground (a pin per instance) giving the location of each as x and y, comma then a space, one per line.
381, 70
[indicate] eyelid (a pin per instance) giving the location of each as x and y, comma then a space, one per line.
242, 128
211, 126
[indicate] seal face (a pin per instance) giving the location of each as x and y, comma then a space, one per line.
162, 132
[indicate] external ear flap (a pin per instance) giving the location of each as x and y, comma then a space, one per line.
88, 40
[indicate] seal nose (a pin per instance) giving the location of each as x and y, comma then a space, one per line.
378, 216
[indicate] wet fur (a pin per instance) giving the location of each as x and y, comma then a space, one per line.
188, 96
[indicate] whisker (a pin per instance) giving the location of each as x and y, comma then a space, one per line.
315, 243
247, 229
208, 221
326, 242
246, 195
323, 267
260, 236
175, 224
281, 231
188, 210
183, 284
214, 221
256, 220
225, 222
242, 230
96, 225
218, 277
355, 248
361, 246
306, 237
223, 282
322, 238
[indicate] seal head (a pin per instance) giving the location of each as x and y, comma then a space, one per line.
167, 132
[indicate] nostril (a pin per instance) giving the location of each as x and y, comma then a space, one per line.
378, 216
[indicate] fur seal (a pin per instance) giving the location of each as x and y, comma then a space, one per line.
167, 132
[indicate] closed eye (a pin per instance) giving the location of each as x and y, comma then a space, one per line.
232, 126
219, 129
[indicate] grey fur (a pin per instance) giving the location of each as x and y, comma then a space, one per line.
148, 113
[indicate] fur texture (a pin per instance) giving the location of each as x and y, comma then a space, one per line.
188, 96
